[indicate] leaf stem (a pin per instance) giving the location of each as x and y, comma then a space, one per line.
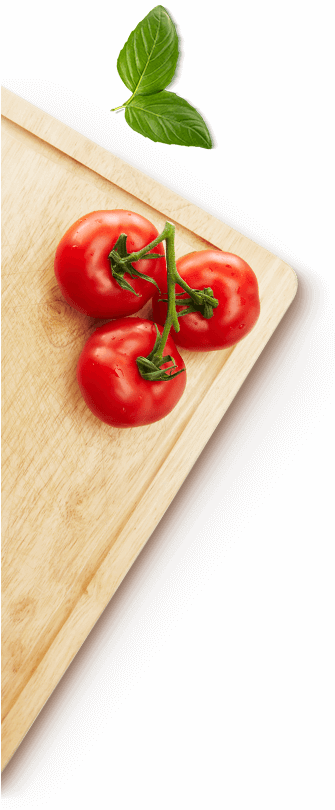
123, 106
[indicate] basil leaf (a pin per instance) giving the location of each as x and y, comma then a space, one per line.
148, 60
147, 64
167, 118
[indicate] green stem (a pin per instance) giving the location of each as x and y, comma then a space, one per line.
150, 367
122, 106
171, 317
138, 254
202, 301
172, 276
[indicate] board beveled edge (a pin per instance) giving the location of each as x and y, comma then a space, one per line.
130, 542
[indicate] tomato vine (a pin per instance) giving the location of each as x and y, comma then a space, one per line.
204, 301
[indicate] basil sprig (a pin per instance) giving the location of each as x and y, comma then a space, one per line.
147, 64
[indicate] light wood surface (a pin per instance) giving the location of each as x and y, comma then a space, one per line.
80, 499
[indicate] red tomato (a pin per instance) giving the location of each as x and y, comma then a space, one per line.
83, 270
110, 381
235, 286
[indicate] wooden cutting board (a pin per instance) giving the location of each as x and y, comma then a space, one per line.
80, 498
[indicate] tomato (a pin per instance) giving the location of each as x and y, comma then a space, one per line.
235, 286
83, 270
111, 383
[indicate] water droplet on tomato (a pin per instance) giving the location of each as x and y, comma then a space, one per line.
241, 326
118, 371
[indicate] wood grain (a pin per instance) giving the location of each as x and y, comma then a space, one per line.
68, 536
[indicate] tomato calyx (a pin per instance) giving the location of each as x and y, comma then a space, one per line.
202, 301
120, 265
150, 367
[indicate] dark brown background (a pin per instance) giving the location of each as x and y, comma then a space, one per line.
205, 682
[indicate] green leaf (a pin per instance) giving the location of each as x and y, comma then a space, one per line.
167, 118
148, 60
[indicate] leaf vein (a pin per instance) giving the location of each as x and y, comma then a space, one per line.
148, 59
